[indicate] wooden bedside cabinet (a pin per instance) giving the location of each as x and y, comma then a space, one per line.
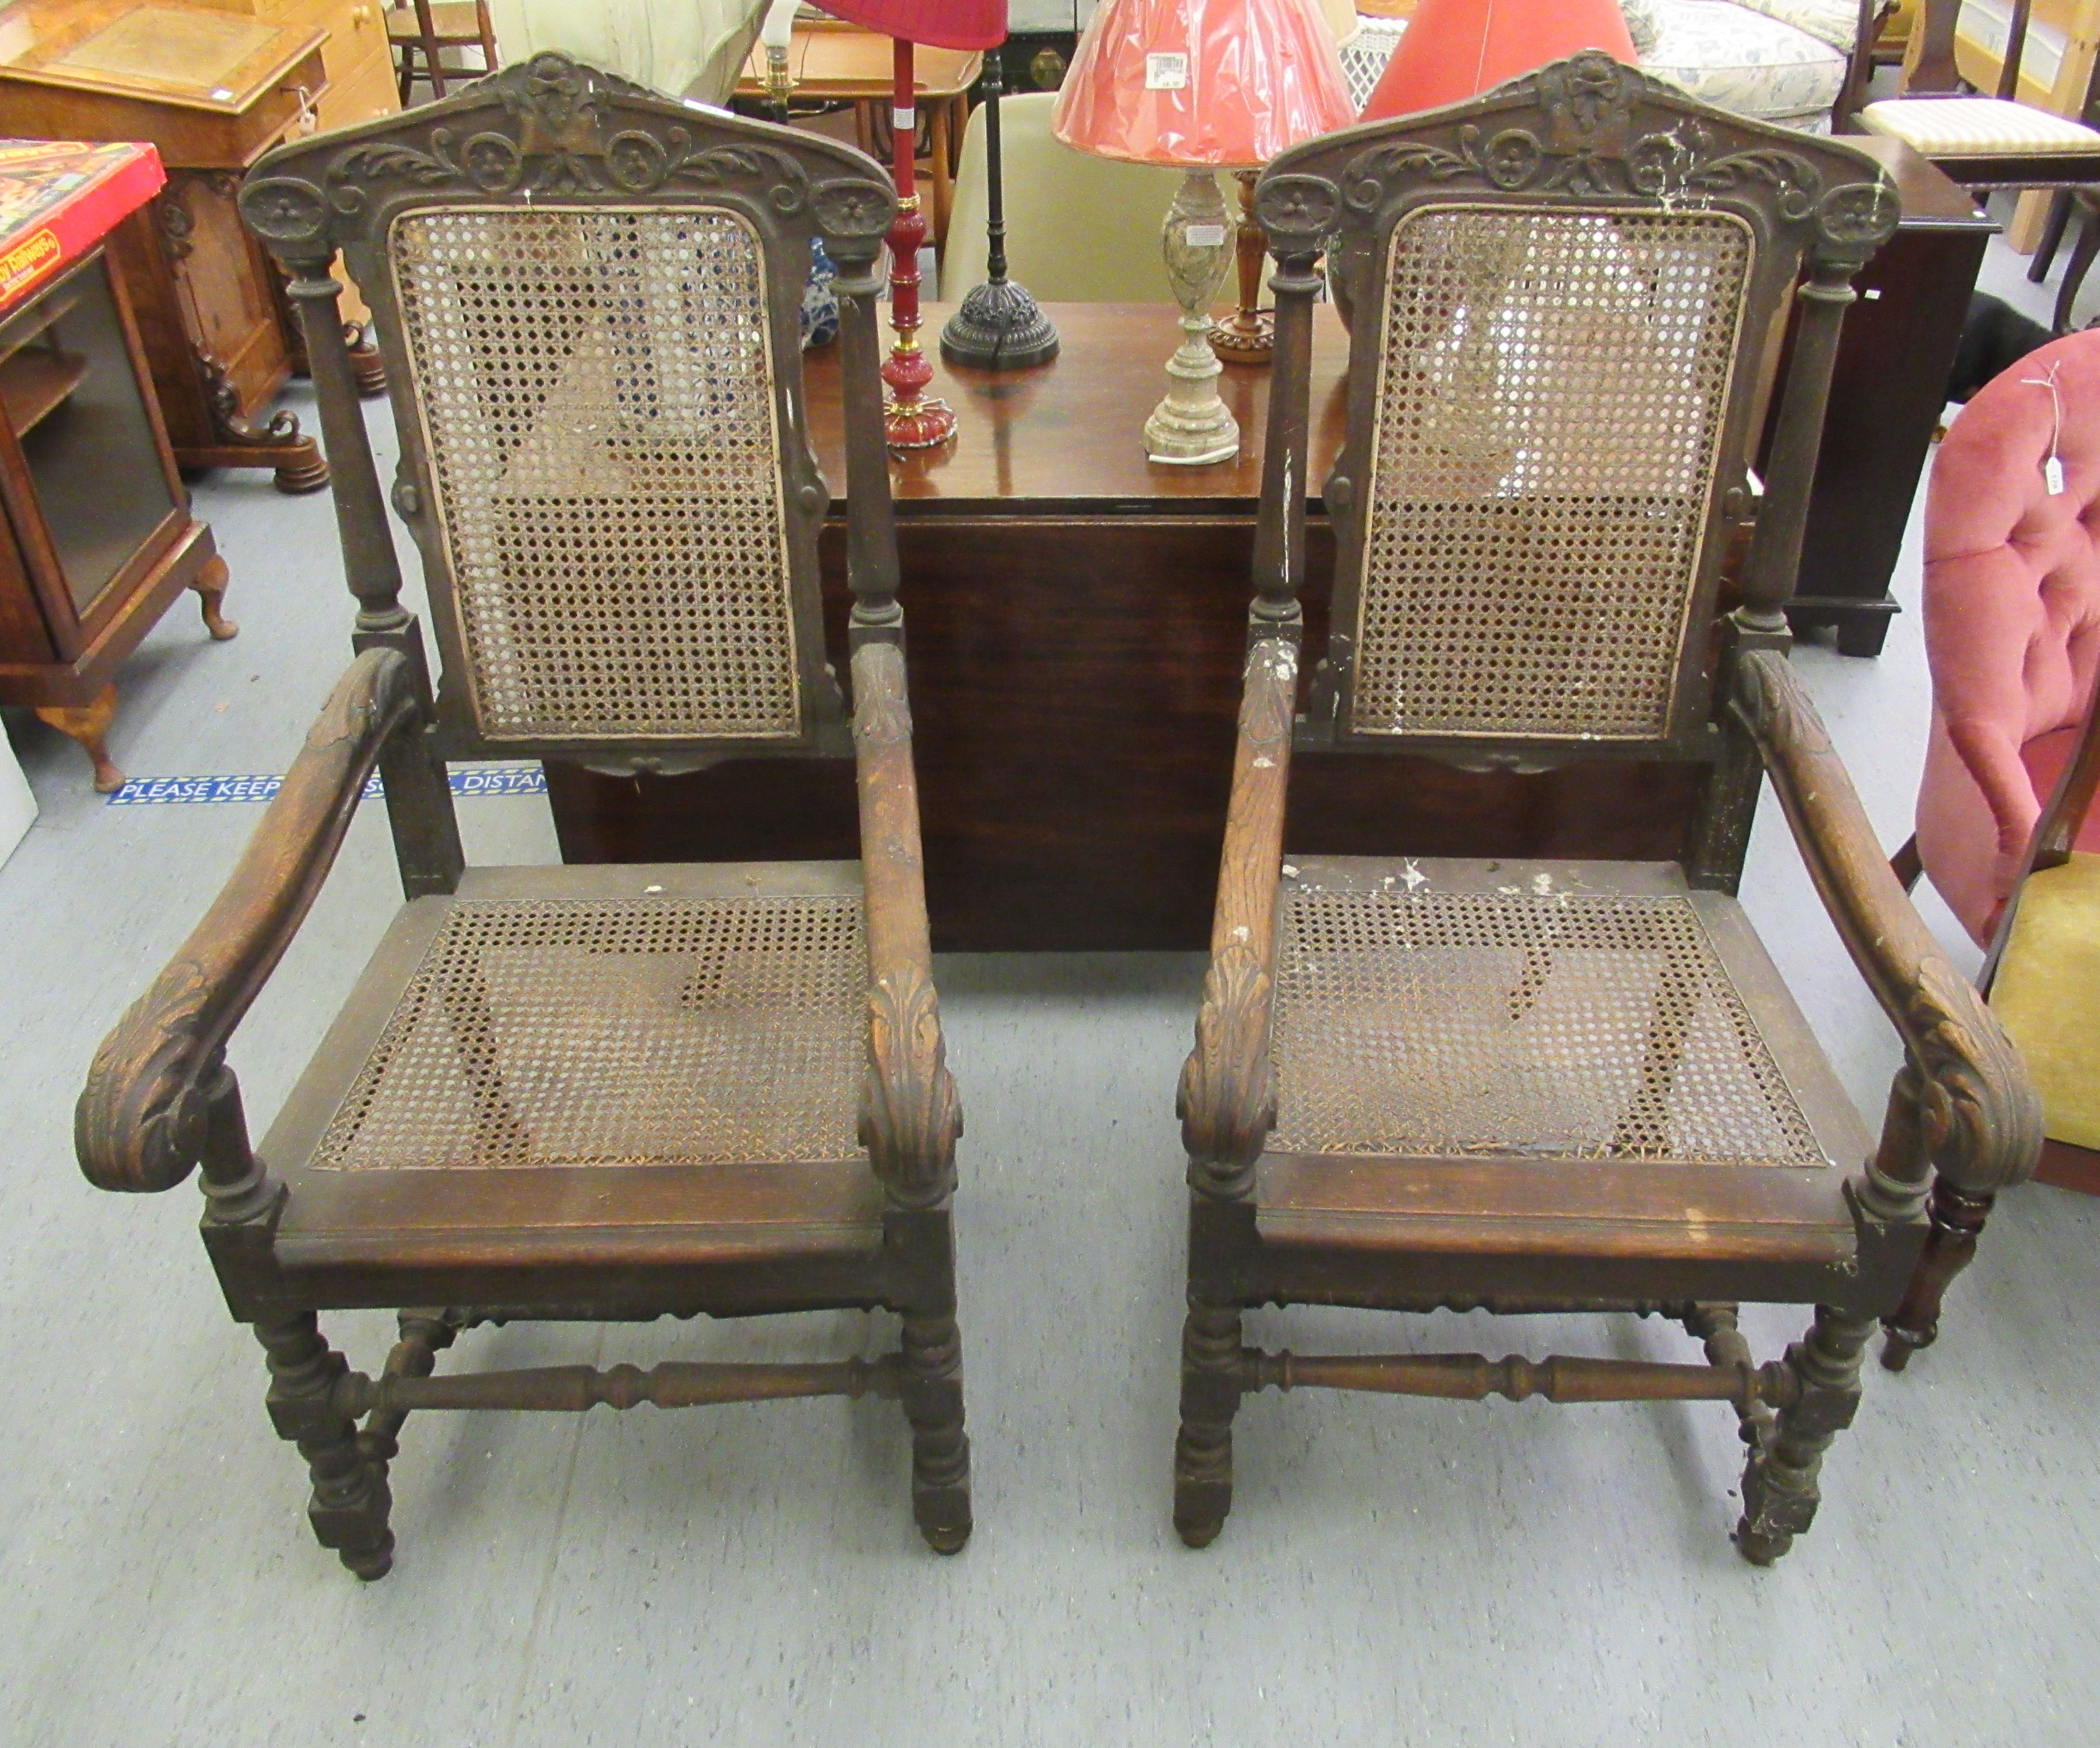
96, 536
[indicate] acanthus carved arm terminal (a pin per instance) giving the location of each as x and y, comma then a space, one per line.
142, 1120
909, 1117
1981, 1121
1227, 1102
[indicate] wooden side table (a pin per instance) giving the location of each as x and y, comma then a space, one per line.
837, 63
214, 90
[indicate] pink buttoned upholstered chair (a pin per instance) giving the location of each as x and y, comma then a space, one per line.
2012, 634
2012, 623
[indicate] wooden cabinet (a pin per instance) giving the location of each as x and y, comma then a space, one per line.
96, 536
214, 85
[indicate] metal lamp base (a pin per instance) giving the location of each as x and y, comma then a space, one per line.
1000, 327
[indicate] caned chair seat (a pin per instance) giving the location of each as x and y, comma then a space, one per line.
583, 1059
1960, 125
1486, 1054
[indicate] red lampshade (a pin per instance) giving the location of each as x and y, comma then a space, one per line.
1226, 82
1457, 49
942, 24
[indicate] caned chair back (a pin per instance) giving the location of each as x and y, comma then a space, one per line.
1562, 294
587, 302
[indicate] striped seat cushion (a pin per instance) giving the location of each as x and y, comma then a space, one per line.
1950, 124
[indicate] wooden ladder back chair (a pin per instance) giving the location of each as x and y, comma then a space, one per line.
428, 28
578, 1093
1552, 1086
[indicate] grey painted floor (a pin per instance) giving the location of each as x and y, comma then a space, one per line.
1405, 1572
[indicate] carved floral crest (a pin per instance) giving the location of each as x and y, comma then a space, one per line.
1594, 132
554, 126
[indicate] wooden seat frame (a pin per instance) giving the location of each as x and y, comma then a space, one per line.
160, 1099
1517, 1232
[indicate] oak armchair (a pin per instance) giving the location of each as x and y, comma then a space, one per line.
601, 1093
1422, 1081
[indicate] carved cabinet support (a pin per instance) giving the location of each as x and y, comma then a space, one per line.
215, 334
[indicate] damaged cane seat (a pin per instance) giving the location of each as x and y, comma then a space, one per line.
1514, 1059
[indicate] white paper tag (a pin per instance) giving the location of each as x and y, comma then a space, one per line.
1203, 236
1167, 73
904, 121
2052, 476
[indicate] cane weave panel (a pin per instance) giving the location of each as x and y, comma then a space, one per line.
1551, 399
674, 1031
596, 393
1554, 1025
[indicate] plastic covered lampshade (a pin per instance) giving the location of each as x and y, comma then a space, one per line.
939, 23
1206, 85
1227, 83
1457, 49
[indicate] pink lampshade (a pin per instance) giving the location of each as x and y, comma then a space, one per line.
940, 24
1223, 82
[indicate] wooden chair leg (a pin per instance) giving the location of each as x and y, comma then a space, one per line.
89, 725
1779, 1484
2052, 236
940, 1448
351, 1502
1905, 865
211, 585
1210, 1398
2074, 270
1957, 1220
424, 1335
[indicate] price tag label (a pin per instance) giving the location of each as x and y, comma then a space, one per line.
2052, 476
1204, 235
1167, 73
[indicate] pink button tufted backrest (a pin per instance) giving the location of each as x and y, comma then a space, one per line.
2012, 619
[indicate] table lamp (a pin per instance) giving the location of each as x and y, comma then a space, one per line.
910, 419
777, 33
999, 326
1206, 84
1457, 49
1248, 335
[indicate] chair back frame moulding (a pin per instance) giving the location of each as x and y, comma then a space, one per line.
727, 209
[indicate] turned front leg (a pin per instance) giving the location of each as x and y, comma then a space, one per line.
1780, 1489
933, 1393
351, 1502
1210, 1398
1957, 1221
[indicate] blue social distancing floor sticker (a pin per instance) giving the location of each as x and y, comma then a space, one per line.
168, 792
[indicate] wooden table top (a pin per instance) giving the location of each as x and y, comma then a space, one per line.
1068, 437
842, 62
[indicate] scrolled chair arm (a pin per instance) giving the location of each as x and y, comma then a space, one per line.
909, 1116
1227, 1099
1980, 1119
142, 1121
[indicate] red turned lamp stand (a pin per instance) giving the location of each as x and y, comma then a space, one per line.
910, 419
